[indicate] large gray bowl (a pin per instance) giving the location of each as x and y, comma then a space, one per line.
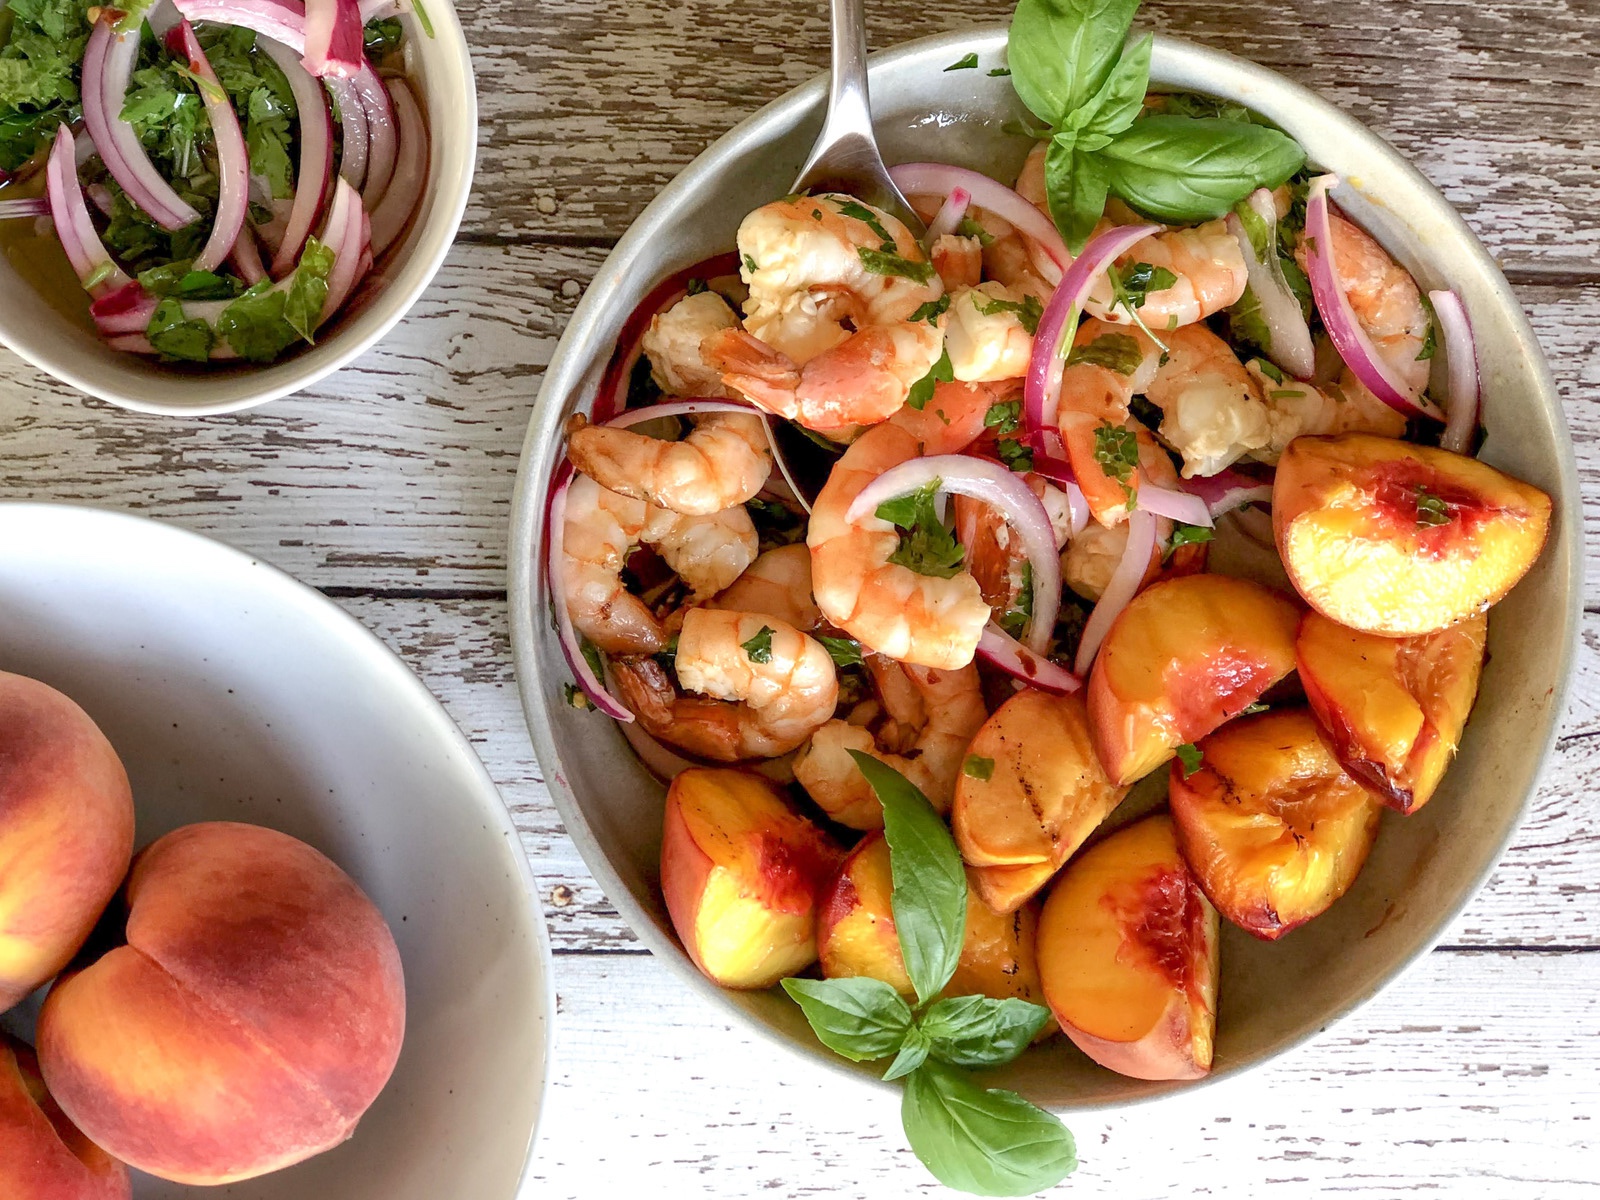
1424, 869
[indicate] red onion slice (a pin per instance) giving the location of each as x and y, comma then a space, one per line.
399, 202
1344, 328
1227, 490
939, 179
1173, 504
108, 62
1007, 494
383, 145
316, 155
233, 161
352, 130
1288, 335
246, 258
999, 648
15, 210
950, 214
94, 267
334, 38
1461, 371
555, 573
1053, 338
347, 234
1122, 588
126, 310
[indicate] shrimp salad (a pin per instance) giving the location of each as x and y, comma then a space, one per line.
1115, 471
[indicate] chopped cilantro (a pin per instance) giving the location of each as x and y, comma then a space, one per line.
1014, 454
922, 390
931, 311
1028, 310
1015, 619
978, 768
999, 72
1247, 325
1004, 416
308, 291
694, 287
254, 324
591, 655
881, 262
176, 279
776, 523
175, 336
858, 211
970, 228
1189, 754
1188, 535
926, 546
1251, 710
382, 37
1430, 340
1117, 352
1132, 285
1256, 229
750, 264
966, 63
1431, 509
1117, 452
845, 652
575, 697
1270, 370
759, 648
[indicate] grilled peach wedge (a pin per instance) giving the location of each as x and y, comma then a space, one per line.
1030, 791
1186, 655
1271, 825
1393, 708
1388, 537
741, 872
1128, 955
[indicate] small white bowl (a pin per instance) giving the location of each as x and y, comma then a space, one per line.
234, 693
69, 349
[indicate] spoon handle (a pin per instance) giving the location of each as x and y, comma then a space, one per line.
849, 107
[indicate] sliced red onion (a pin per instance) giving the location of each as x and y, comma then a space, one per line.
1344, 328
939, 179
1053, 339
233, 160
246, 258
1461, 371
126, 310
316, 155
352, 129
383, 144
410, 176
1227, 490
999, 648
14, 210
94, 267
1007, 494
949, 215
555, 572
108, 62
347, 234
1077, 506
334, 38
1122, 588
1288, 335
281, 20
1173, 504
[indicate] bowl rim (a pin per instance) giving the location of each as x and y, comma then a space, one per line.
402, 677
561, 378
411, 275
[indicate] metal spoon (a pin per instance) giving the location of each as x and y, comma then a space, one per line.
845, 157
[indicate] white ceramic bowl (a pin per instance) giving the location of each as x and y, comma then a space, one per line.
234, 693
69, 348
1425, 867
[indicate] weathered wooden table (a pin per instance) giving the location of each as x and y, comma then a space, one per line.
389, 488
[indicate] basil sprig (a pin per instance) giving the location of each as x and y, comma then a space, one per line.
1073, 67
985, 1141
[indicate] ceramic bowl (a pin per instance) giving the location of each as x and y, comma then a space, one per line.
61, 340
234, 693
1424, 869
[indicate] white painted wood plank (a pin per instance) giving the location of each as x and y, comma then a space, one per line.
1477, 1077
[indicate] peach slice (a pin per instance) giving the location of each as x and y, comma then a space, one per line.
1270, 823
1006, 889
741, 872
1128, 955
1387, 537
1186, 655
43, 1156
1394, 708
1030, 791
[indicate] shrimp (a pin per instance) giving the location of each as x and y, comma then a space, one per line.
829, 338
986, 337
1385, 299
925, 620
724, 461
779, 582
994, 555
959, 260
932, 715
1213, 410
761, 687
599, 529
1107, 368
955, 415
1295, 408
1209, 275
672, 344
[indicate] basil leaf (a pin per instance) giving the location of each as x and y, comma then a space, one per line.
1120, 101
976, 1031
929, 900
1183, 169
860, 1018
1061, 51
913, 1053
1075, 186
986, 1142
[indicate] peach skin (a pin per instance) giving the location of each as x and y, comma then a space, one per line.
1392, 538
1128, 954
66, 831
43, 1156
253, 1015
1271, 825
741, 872
1393, 708
1186, 655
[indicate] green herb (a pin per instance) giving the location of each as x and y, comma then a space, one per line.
964, 64
1117, 352
1014, 454
857, 211
1191, 758
1061, 52
1028, 310
382, 37
1193, 104
1252, 709
1146, 412
178, 280
759, 648
254, 324
1015, 619
1117, 452
1184, 170
967, 227
591, 655
175, 336
1004, 416
694, 287
1189, 535
932, 310
926, 546
422, 18
997, 72
1431, 509
308, 291
859, 1017
1076, 186
1270, 370
264, 101
1257, 229
1430, 341
922, 390
1133, 284
976, 1031
750, 264
978, 768
776, 523
576, 697
881, 262
845, 652
913, 1053
1247, 325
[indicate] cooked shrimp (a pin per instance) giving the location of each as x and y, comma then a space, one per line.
1295, 408
955, 416
1213, 410
779, 582
724, 461
985, 336
1008, 260
932, 718
1209, 272
958, 259
759, 687
920, 619
994, 553
1091, 558
672, 344
1108, 367
599, 529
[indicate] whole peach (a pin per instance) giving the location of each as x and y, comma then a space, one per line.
42, 1155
